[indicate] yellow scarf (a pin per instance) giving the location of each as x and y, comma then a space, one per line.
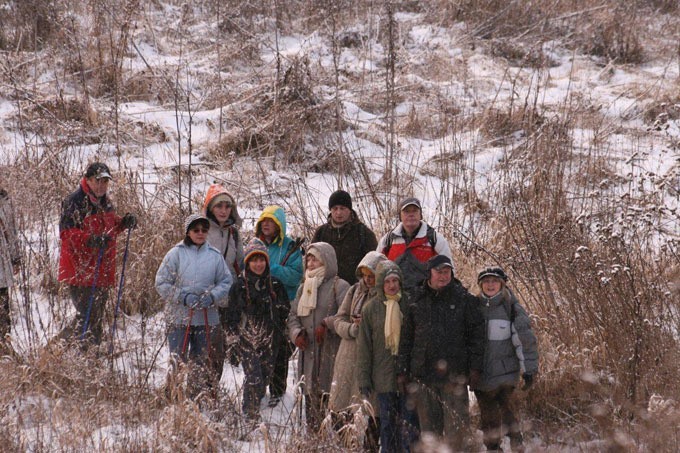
392, 322
313, 280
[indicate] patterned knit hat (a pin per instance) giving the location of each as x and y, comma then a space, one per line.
195, 218
255, 247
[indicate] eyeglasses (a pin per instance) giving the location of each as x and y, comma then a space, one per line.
199, 230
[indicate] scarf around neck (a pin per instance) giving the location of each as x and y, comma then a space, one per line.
393, 319
313, 279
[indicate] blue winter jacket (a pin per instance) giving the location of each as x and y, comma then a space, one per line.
290, 274
190, 269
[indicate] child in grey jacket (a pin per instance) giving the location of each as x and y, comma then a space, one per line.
511, 350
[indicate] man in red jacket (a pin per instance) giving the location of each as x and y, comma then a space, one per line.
87, 261
411, 243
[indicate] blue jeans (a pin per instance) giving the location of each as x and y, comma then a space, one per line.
388, 410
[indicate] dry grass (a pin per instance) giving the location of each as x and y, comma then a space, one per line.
586, 237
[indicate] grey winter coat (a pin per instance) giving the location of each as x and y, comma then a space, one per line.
345, 387
9, 243
192, 269
511, 347
316, 361
227, 240
376, 366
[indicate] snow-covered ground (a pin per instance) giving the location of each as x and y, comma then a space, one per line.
437, 68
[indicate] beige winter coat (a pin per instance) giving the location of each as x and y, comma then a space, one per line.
345, 387
316, 361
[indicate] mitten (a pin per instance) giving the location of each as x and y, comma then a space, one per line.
320, 333
301, 341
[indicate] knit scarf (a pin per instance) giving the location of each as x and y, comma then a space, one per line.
313, 279
392, 322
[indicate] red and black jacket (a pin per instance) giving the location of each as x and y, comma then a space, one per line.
84, 215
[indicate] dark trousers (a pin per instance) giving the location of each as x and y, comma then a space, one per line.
258, 364
388, 409
443, 409
81, 297
277, 386
5, 320
497, 417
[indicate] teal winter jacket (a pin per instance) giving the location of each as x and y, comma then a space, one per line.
289, 273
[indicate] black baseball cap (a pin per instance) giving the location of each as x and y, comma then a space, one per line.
98, 170
439, 261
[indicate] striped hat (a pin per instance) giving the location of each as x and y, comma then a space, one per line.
255, 247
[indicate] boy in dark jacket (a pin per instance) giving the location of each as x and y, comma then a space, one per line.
442, 347
511, 349
257, 312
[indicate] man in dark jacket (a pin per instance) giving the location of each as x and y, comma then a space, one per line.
350, 238
87, 260
441, 348
10, 255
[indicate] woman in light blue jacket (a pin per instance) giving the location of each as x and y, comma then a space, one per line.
194, 281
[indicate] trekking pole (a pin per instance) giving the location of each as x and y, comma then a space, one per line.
301, 383
120, 289
185, 343
94, 289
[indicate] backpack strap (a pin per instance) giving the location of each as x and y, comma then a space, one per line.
388, 243
431, 236
232, 232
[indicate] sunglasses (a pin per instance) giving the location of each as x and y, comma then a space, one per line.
199, 230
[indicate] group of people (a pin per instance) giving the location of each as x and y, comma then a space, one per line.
381, 324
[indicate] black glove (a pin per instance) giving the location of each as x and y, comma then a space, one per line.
234, 358
129, 221
365, 392
474, 379
98, 241
528, 380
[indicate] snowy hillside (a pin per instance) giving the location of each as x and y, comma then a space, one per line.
541, 136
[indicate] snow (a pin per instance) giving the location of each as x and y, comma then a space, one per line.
614, 92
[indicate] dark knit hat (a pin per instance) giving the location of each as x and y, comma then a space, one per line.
255, 247
439, 261
98, 170
193, 219
340, 197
